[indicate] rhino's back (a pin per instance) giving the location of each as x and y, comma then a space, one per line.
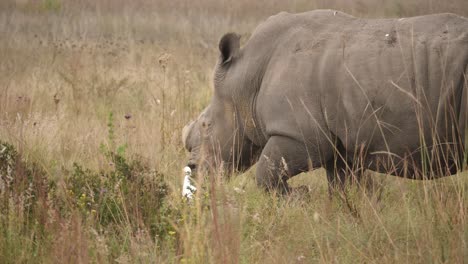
324, 30
333, 21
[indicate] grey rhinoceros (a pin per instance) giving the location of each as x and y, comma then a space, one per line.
326, 89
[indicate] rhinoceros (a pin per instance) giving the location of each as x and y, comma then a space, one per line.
326, 89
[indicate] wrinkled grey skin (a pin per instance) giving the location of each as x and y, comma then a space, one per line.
325, 89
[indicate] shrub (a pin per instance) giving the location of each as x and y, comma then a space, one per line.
23, 187
129, 193
128, 197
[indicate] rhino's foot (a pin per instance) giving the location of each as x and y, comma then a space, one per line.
281, 159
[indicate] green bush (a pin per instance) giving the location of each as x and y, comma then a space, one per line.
23, 187
129, 194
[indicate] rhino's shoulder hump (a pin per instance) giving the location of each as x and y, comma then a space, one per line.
282, 22
326, 13
313, 14
278, 16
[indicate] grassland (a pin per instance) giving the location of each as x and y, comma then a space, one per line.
93, 97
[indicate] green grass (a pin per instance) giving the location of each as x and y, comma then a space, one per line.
84, 185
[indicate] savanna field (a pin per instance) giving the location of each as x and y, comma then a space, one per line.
93, 99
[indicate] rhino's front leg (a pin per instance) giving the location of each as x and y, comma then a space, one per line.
281, 159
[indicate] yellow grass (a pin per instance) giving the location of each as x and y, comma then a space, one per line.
66, 65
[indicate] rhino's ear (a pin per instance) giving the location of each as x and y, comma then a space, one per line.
229, 46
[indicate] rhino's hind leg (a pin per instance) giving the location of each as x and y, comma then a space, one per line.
281, 159
341, 172
340, 176
336, 175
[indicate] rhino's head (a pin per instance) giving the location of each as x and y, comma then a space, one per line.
216, 138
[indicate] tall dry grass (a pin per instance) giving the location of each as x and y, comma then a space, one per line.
66, 65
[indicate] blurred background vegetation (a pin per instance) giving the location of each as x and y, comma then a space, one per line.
93, 97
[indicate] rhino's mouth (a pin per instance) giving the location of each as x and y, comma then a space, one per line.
192, 165
193, 161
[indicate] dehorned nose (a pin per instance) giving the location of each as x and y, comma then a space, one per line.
186, 132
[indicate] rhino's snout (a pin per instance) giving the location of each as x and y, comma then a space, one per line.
192, 165
191, 141
194, 158
185, 135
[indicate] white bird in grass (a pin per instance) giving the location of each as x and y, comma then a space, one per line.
188, 189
